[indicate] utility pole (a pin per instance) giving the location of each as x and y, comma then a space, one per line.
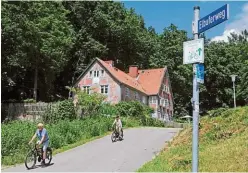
195, 97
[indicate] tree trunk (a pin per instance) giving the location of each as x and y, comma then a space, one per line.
35, 83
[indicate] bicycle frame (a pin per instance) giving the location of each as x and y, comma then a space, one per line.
38, 151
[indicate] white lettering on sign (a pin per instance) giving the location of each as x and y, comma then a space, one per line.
211, 19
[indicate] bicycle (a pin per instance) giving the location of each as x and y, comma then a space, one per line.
115, 135
37, 154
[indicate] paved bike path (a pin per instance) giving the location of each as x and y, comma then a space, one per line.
139, 146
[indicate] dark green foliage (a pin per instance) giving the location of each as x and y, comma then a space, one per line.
63, 110
89, 104
108, 109
133, 109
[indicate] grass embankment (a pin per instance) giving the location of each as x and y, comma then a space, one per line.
223, 145
63, 135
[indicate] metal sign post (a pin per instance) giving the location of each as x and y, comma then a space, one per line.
193, 53
195, 97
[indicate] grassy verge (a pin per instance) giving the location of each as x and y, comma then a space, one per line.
223, 146
64, 135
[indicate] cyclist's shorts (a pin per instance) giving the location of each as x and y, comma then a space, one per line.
45, 145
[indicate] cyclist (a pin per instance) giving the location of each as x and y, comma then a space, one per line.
42, 135
118, 125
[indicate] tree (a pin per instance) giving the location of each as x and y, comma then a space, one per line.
40, 38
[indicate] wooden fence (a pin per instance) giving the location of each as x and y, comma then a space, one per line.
24, 111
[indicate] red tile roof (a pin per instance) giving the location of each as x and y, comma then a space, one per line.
148, 81
123, 77
151, 80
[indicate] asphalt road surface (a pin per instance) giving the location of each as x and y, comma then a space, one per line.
139, 146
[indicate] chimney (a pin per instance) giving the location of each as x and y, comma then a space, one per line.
110, 62
133, 71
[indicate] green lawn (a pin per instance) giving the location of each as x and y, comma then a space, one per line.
223, 146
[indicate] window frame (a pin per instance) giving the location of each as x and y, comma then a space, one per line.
105, 89
127, 92
153, 100
86, 89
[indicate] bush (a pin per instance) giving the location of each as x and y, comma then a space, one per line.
90, 104
108, 109
63, 110
134, 109
29, 101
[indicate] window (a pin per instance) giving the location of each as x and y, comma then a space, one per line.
161, 101
90, 73
136, 96
127, 92
96, 73
102, 72
152, 100
167, 89
86, 89
104, 89
166, 102
144, 99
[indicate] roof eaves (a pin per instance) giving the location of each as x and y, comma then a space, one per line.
161, 80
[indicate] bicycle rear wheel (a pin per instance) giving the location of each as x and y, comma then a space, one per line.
30, 160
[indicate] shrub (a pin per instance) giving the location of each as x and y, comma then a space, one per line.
29, 101
90, 104
108, 109
63, 110
134, 109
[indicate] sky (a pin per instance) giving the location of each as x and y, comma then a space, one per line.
161, 14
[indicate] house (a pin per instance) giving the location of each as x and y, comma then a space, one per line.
151, 87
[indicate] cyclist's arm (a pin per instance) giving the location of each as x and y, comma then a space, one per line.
43, 134
42, 139
33, 138
113, 123
121, 123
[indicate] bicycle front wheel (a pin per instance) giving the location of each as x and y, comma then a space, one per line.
113, 137
49, 156
30, 160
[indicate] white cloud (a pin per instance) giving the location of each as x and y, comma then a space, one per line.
225, 35
238, 25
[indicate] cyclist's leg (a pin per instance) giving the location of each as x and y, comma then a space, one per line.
119, 130
45, 145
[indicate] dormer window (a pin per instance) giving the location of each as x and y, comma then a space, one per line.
102, 72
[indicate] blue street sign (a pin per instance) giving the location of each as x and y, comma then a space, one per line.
218, 16
200, 73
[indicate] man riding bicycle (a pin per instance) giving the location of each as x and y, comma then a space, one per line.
118, 125
42, 135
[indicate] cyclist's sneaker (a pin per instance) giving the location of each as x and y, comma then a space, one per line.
43, 163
